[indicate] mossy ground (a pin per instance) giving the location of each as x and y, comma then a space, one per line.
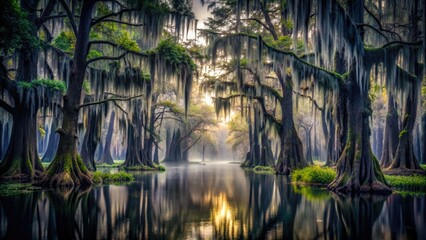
407, 183
103, 177
117, 164
264, 170
14, 188
316, 175
157, 167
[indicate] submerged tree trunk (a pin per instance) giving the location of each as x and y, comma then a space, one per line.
106, 157
390, 139
21, 159
67, 168
357, 168
291, 155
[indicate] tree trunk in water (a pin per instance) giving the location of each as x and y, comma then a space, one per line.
21, 159
67, 169
52, 146
390, 140
404, 155
266, 155
291, 155
135, 155
91, 139
106, 157
357, 168
174, 148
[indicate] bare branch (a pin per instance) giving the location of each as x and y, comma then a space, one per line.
6, 106
125, 23
108, 100
114, 14
310, 98
106, 58
70, 16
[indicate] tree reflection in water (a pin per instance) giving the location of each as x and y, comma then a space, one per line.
219, 201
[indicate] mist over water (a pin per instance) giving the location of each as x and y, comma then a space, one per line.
209, 201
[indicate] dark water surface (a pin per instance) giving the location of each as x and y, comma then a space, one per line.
213, 201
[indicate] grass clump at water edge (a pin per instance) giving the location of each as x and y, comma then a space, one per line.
157, 167
13, 188
103, 177
314, 175
410, 183
264, 169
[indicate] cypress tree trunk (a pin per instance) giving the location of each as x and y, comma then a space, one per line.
91, 139
174, 148
135, 155
52, 145
357, 168
67, 169
404, 155
390, 139
106, 157
291, 155
21, 159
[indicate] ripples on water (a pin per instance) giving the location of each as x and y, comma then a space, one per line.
213, 201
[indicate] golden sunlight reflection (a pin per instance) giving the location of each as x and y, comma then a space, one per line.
225, 220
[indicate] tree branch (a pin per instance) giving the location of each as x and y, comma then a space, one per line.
6, 106
125, 23
70, 16
108, 100
261, 23
105, 58
380, 24
100, 19
310, 98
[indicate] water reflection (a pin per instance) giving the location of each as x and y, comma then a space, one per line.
219, 201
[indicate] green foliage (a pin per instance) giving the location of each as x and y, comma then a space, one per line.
410, 183
172, 106
86, 87
314, 175
9, 189
102, 177
42, 132
174, 54
423, 166
15, 28
402, 133
55, 85
65, 41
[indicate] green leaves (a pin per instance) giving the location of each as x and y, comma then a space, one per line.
174, 53
55, 85
15, 28
65, 41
